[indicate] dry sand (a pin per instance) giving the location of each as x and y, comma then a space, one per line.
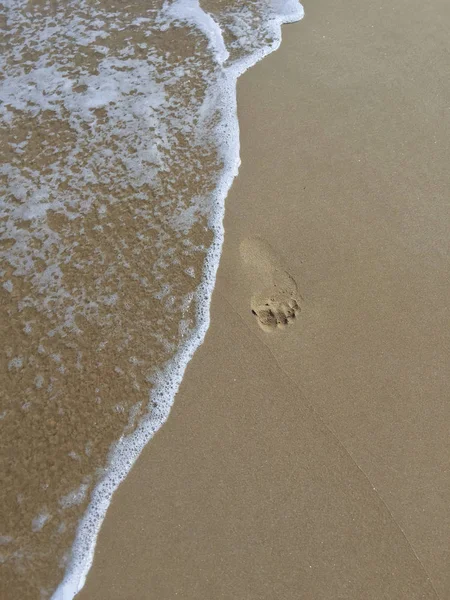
312, 462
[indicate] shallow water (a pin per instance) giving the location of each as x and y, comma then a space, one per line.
119, 144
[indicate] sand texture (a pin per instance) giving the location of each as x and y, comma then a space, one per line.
307, 452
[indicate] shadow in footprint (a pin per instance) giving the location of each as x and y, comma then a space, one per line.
275, 314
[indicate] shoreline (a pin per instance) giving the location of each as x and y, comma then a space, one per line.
247, 490
127, 450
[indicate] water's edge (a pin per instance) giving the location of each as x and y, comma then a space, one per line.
127, 450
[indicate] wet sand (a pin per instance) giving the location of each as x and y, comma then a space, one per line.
312, 461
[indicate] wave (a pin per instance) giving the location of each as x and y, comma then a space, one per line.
130, 97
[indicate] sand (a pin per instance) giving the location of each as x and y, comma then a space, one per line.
310, 459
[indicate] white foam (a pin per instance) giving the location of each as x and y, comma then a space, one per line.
15, 363
189, 11
39, 521
166, 385
75, 496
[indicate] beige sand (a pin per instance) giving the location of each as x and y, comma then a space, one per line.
311, 461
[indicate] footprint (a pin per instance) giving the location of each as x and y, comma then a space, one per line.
275, 302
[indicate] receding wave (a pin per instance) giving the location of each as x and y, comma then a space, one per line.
119, 144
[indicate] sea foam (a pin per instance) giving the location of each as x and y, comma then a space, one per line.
134, 94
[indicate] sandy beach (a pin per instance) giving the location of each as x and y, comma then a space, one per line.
312, 461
